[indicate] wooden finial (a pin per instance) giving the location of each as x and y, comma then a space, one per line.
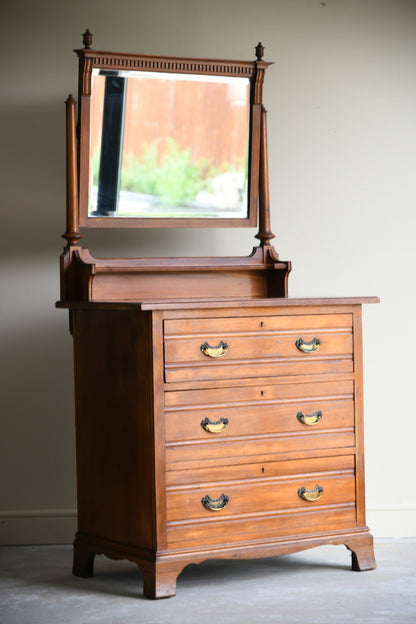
87, 39
259, 51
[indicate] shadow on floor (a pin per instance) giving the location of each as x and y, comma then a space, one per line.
124, 579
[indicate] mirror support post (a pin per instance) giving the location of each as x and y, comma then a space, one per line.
72, 234
264, 234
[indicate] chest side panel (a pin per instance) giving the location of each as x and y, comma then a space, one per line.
114, 425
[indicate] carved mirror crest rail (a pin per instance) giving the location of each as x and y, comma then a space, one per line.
215, 417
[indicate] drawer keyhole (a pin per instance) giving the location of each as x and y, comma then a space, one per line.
263, 470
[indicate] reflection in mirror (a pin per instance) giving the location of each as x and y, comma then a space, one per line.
169, 145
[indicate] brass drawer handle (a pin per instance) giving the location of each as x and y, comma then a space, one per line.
214, 352
215, 504
309, 419
214, 427
308, 347
311, 495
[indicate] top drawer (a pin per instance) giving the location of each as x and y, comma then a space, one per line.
228, 348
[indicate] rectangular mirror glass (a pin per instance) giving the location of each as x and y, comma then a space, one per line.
168, 145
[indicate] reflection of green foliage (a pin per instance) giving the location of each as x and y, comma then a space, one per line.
96, 166
141, 176
177, 179
180, 179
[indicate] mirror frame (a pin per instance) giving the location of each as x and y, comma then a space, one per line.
253, 70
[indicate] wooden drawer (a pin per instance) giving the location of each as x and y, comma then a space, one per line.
192, 455
220, 414
226, 348
246, 501
183, 328
266, 493
252, 469
260, 420
296, 523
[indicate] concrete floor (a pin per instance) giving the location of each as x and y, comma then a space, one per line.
312, 587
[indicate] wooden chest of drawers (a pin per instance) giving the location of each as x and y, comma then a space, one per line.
229, 429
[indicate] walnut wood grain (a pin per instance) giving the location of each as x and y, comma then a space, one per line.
259, 394
189, 328
245, 347
269, 496
260, 367
268, 446
114, 403
138, 279
194, 308
256, 469
72, 234
259, 420
299, 525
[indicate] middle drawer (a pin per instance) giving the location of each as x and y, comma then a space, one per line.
277, 418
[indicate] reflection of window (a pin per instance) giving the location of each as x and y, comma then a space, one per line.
111, 143
172, 145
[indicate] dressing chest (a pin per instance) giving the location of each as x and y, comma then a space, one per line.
215, 416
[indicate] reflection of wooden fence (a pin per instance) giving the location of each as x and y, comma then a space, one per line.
209, 118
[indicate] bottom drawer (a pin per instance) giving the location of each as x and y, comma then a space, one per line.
308, 496
293, 523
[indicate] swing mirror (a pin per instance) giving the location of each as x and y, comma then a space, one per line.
167, 142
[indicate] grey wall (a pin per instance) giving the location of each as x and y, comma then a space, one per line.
341, 100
